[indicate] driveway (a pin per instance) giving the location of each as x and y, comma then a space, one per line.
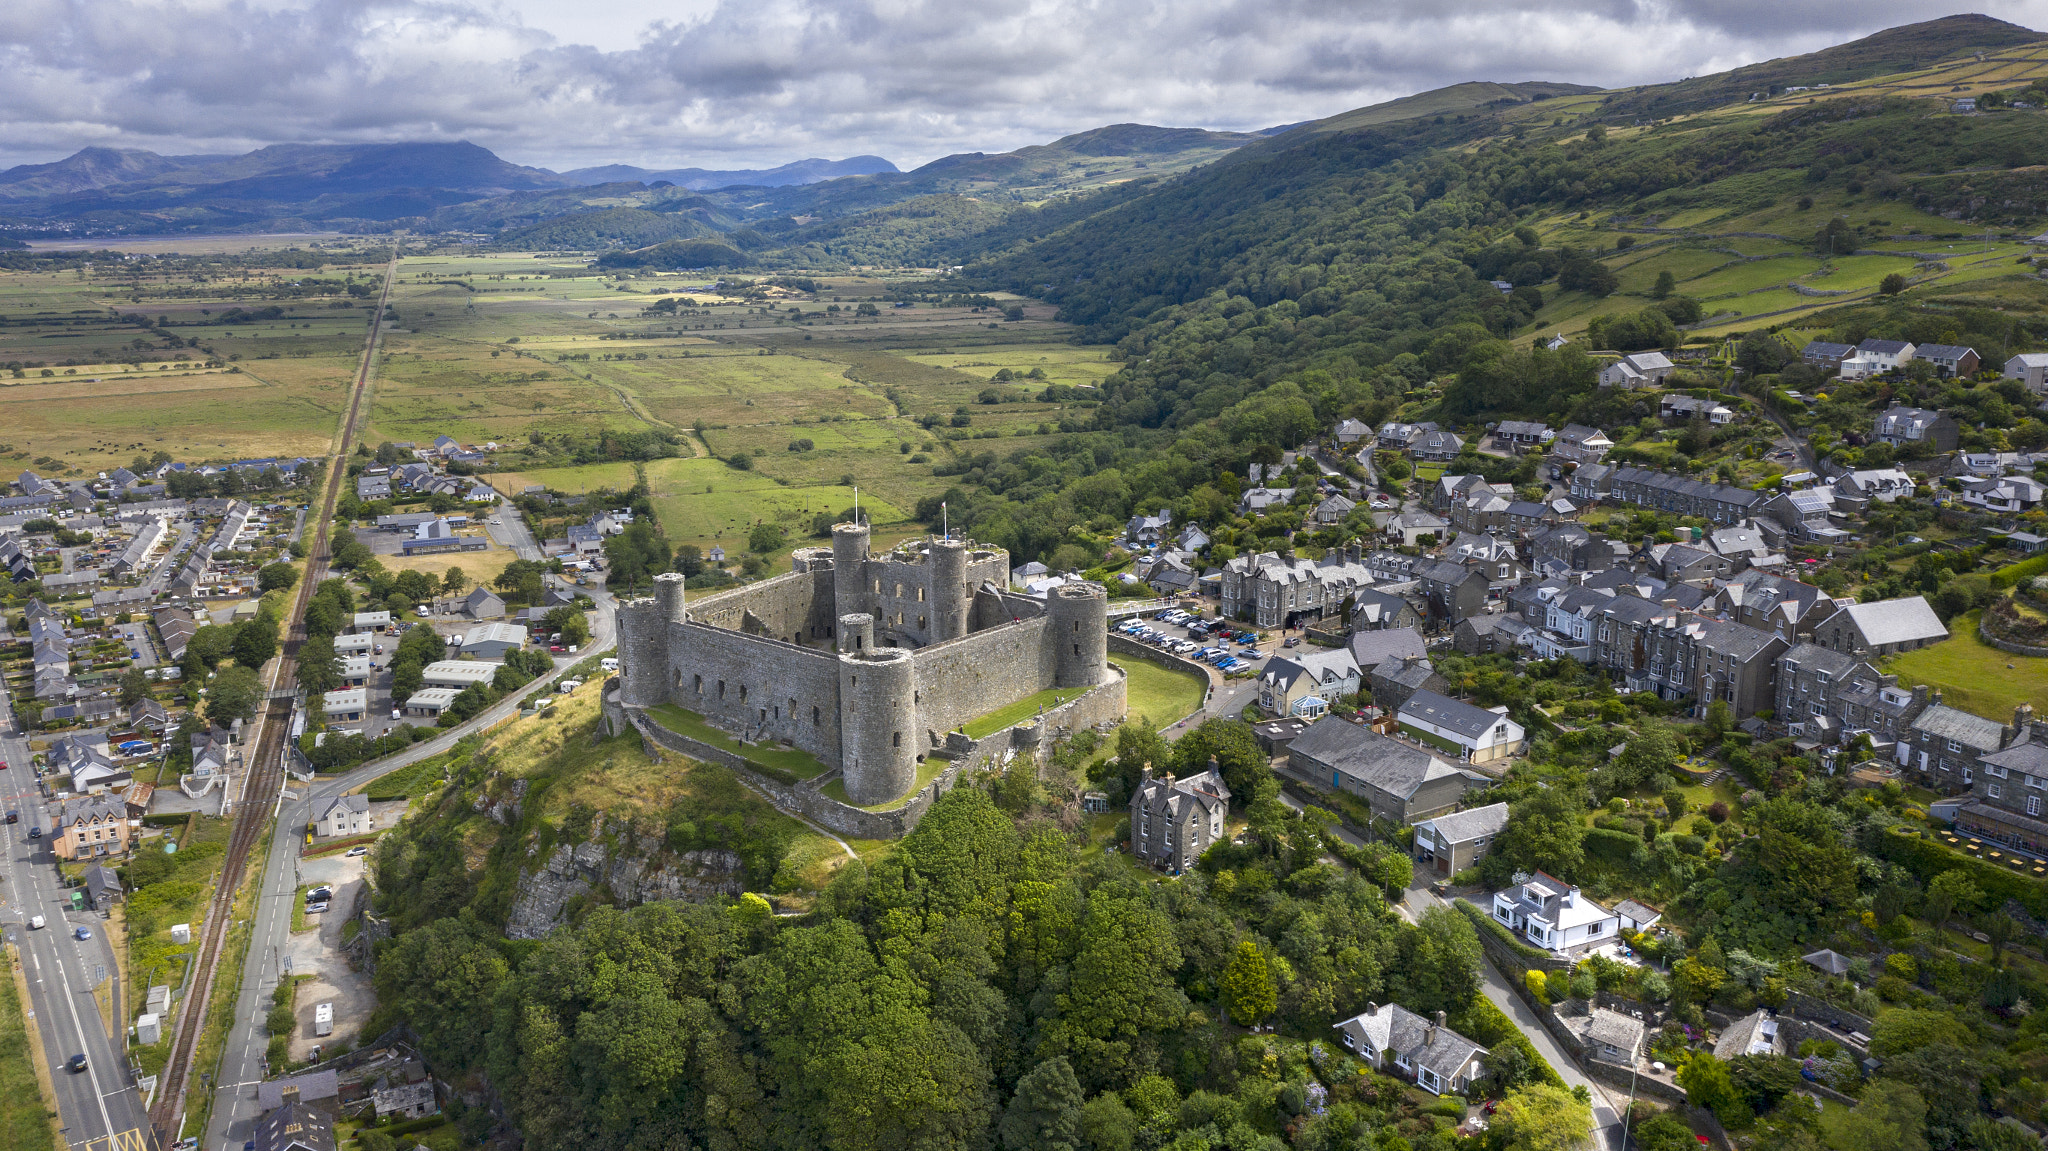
1606, 1111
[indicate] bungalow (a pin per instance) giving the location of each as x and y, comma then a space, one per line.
1640, 370
1555, 915
1398, 781
1398, 437
2002, 494
1261, 499
1441, 1060
1689, 408
482, 603
1452, 843
1334, 510
1474, 733
1352, 431
1522, 433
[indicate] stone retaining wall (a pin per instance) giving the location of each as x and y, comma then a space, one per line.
2005, 645
1125, 645
1032, 740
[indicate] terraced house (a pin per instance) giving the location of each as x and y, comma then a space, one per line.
1680, 495
1830, 696
1283, 592
2009, 800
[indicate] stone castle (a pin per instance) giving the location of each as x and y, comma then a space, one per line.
866, 661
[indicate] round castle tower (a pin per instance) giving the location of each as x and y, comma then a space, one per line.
856, 633
643, 642
849, 569
1078, 629
877, 722
949, 590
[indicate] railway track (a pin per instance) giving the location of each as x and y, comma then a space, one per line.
264, 777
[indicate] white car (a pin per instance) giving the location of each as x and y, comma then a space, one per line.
36, 922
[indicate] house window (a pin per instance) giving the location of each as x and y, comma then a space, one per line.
1954, 746
1993, 790
2033, 805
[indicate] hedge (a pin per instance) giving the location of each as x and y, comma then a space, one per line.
1926, 859
1486, 923
1605, 843
1487, 1025
2012, 575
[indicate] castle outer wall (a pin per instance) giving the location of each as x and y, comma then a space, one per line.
884, 700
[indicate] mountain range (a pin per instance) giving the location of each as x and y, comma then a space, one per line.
461, 187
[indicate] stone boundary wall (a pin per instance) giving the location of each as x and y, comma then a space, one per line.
1104, 704
1125, 645
2005, 645
1807, 1007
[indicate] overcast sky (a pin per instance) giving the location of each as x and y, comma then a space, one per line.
753, 83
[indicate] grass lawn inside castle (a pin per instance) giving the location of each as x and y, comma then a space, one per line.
682, 721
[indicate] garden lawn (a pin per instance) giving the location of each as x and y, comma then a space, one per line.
1973, 675
1020, 711
801, 764
927, 771
1159, 693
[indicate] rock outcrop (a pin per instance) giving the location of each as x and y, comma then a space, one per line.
624, 868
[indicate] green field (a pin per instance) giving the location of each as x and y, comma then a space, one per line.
25, 1123
1973, 675
1020, 711
1159, 693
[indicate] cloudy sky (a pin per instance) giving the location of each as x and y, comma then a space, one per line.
746, 83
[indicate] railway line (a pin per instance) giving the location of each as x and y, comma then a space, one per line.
263, 779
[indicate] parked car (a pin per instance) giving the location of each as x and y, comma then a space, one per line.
82, 934
358, 849
14, 817
316, 908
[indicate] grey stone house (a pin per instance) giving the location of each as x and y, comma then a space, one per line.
1882, 628
1173, 821
1902, 426
1393, 680
1449, 844
1452, 591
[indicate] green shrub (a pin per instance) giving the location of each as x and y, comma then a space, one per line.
1486, 923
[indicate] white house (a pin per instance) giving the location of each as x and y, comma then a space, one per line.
1474, 733
1885, 355
1553, 914
342, 815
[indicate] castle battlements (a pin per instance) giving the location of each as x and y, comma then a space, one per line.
866, 661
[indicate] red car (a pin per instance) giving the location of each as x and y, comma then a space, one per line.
557, 647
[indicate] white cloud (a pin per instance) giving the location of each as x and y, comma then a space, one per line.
731, 83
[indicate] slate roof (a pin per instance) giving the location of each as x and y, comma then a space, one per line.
1387, 764
1896, 620
1466, 719
1412, 1037
1748, 1036
313, 1087
1614, 1029
1370, 648
1738, 641
344, 803
2025, 756
1466, 826
294, 1125
1638, 913
1972, 731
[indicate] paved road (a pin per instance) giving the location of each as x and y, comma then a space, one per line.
510, 531
1606, 1112
242, 1063
61, 971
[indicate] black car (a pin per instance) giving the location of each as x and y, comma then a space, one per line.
75, 1063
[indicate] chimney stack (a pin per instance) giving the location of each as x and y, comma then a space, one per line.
289, 1094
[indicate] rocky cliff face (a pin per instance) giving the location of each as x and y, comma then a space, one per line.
616, 864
